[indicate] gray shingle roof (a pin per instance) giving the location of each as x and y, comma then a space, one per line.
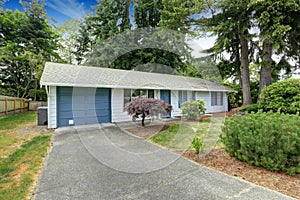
83, 76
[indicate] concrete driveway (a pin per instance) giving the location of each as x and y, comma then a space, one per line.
103, 162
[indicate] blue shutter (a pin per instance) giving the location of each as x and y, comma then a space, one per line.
193, 95
221, 98
212, 98
179, 99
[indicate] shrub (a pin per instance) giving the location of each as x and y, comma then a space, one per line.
193, 109
283, 96
142, 107
197, 144
270, 140
251, 108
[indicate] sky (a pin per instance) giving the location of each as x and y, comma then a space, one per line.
62, 10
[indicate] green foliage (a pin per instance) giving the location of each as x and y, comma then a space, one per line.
197, 144
235, 98
193, 109
270, 140
176, 15
282, 96
27, 40
68, 32
251, 108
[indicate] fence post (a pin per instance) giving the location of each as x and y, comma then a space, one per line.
6, 106
20, 105
14, 105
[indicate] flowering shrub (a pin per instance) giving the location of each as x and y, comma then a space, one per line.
143, 107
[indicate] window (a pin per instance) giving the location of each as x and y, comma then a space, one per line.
138, 93
151, 94
127, 96
182, 97
193, 95
131, 94
216, 98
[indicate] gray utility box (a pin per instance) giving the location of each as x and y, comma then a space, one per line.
42, 116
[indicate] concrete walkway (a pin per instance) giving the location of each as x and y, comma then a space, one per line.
102, 162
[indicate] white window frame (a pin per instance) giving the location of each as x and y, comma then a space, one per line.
217, 98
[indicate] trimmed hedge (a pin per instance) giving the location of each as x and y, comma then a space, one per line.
281, 96
250, 108
270, 140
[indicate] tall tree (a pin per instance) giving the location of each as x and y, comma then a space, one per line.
275, 20
68, 32
26, 42
230, 22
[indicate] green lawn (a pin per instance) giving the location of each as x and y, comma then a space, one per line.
13, 121
21, 155
181, 135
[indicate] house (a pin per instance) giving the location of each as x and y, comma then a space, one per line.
88, 95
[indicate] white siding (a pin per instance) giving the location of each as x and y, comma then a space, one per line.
52, 114
174, 102
206, 96
117, 106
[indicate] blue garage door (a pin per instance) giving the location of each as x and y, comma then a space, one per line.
77, 106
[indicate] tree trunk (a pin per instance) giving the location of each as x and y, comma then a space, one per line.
266, 67
245, 71
143, 120
35, 89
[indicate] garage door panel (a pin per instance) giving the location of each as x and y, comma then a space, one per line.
87, 106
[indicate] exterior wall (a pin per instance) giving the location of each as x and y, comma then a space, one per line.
176, 111
206, 96
52, 106
117, 106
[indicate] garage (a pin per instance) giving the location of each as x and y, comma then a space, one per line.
80, 105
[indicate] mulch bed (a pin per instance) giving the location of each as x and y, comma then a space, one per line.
218, 159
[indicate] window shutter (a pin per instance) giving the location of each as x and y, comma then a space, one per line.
193, 95
212, 100
221, 99
179, 99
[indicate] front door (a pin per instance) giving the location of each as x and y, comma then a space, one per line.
165, 95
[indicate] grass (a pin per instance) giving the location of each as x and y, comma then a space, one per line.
180, 135
22, 155
9, 135
13, 121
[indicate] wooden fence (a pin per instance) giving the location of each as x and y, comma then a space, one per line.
13, 105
